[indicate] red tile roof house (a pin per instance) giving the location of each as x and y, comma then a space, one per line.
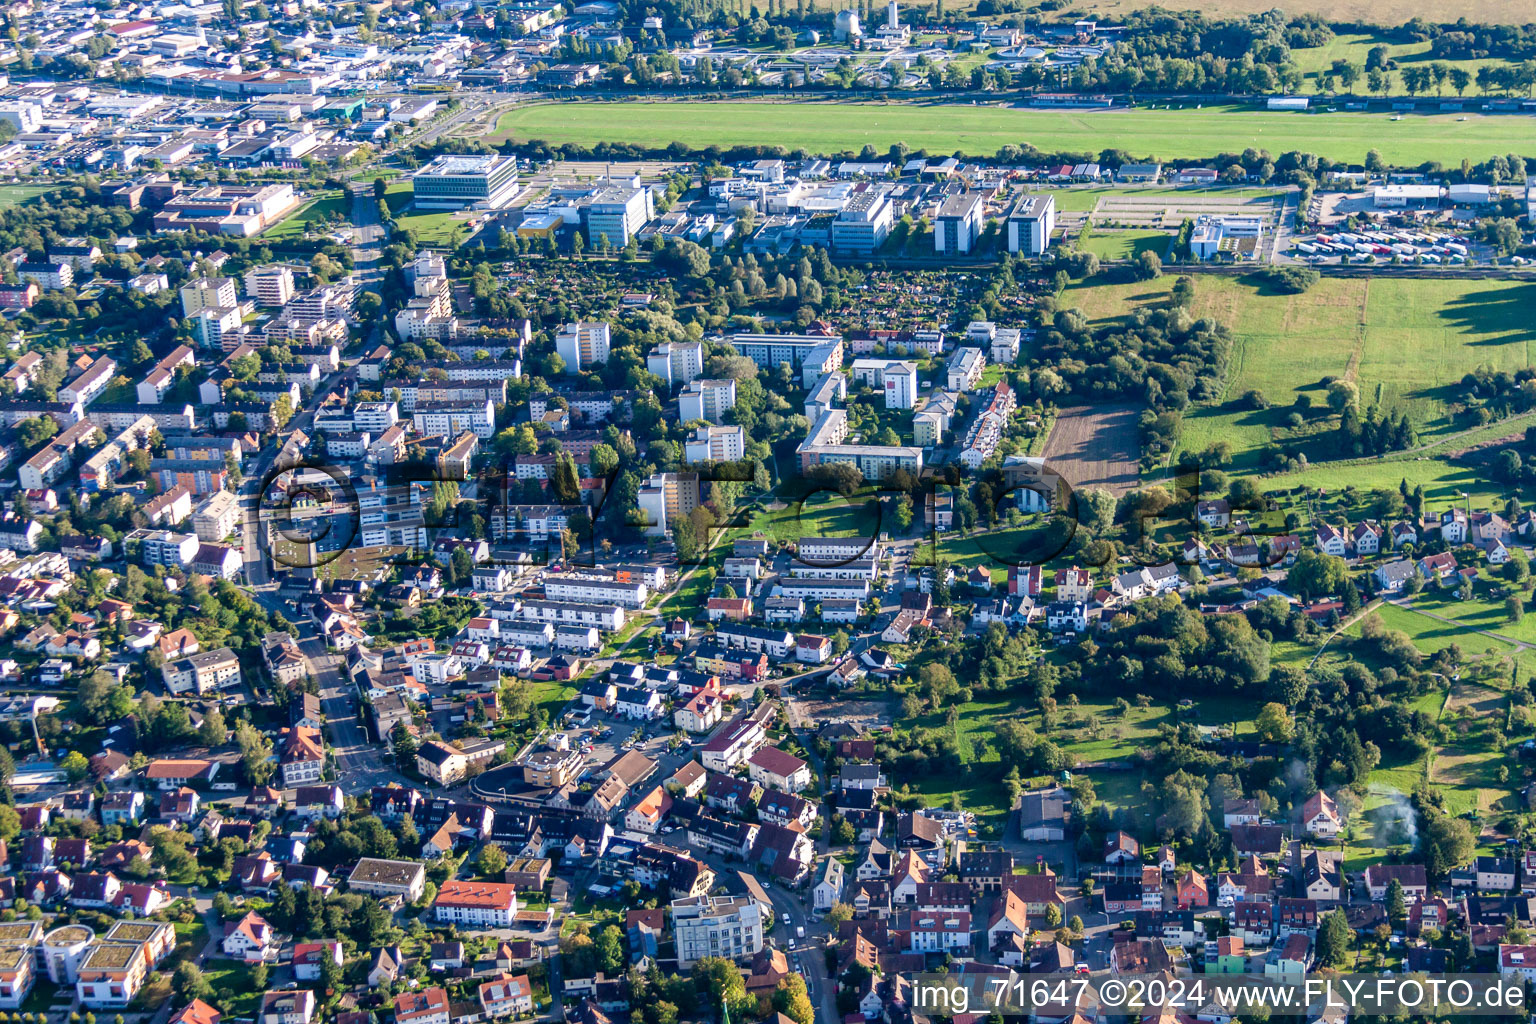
428, 1006
507, 996
308, 957
1193, 892
1320, 815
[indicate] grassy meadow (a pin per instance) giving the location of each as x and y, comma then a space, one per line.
1406, 343
1367, 12
1184, 134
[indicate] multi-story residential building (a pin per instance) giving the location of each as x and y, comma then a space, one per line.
202, 673
301, 756
507, 996
50, 275
376, 877
216, 517
87, 385
287, 1006
773, 768
1030, 224
270, 286
724, 926
897, 378
375, 417
706, 400
447, 764
454, 417
733, 744
422, 1006
825, 446
667, 498
112, 974
818, 352
583, 345
17, 975
476, 904
284, 660
551, 769
218, 327
204, 292
152, 389
676, 362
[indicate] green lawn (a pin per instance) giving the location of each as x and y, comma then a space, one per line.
328, 206
1125, 245
235, 976
433, 227
15, 195
831, 127
1083, 198
1431, 635
1484, 610
996, 549
551, 695
822, 514
190, 940
1092, 731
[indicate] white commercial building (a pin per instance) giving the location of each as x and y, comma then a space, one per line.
452, 182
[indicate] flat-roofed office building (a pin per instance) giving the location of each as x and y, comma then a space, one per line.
452, 182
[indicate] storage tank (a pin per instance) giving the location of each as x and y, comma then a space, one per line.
846, 26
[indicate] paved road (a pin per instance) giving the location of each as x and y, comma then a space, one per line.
359, 763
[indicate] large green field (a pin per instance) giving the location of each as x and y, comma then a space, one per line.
1406, 343
830, 127
1366, 12
14, 195
1353, 47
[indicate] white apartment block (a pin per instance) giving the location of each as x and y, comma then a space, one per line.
715, 444
452, 418
215, 519
897, 378
202, 292
202, 672
677, 362
591, 588
706, 400
723, 926
476, 904
583, 345
965, 368
270, 286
